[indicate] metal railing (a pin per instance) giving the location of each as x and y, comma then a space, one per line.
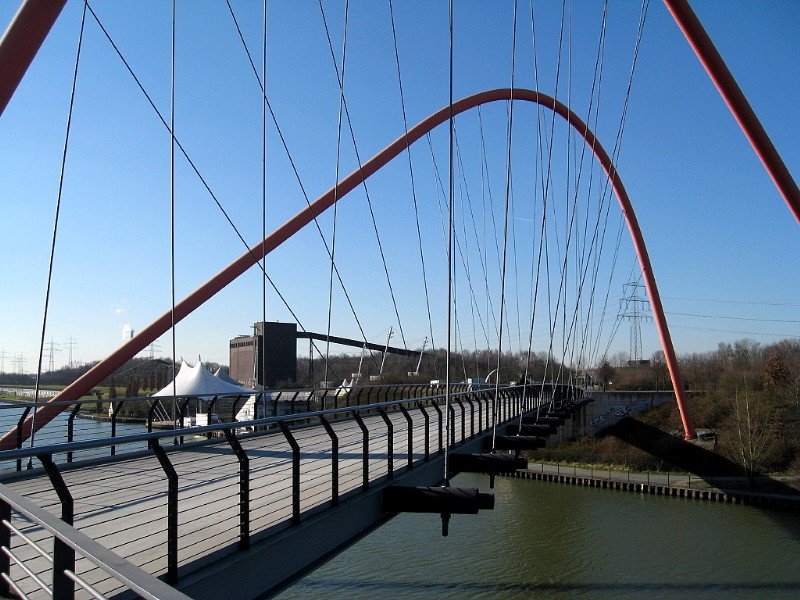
31, 567
263, 476
94, 418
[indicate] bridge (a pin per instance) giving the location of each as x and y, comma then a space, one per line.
197, 512
290, 490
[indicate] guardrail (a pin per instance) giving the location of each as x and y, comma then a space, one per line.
109, 417
57, 577
270, 493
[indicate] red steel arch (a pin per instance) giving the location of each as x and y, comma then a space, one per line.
161, 325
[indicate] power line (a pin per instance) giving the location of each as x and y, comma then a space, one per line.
683, 314
781, 335
725, 301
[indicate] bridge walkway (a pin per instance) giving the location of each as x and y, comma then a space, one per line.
122, 503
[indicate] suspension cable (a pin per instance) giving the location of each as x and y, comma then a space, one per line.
457, 242
264, 202
411, 175
336, 186
199, 175
546, 191
505, 225
55, 226
581, 273
450, 261
364, 182
296, 172
616, 150
463, 181
172, 207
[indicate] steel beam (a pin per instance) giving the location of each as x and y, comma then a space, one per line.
22, 40
733, 96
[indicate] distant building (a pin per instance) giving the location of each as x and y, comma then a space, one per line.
246, 352
642, 362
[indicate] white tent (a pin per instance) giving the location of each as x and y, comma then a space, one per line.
198, 381
225, 376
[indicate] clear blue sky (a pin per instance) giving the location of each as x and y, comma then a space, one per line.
722, 242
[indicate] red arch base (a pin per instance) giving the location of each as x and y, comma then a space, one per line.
161, 325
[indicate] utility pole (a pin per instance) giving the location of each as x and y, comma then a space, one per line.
20, 360
421, 354
70, 344
154, 347
52, 348
3, 355
635, 307
388, 339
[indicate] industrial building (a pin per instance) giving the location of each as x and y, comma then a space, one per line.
247, 363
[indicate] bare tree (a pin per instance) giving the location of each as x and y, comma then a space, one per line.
753, 442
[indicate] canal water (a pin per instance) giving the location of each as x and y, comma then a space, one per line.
55, 432
559, 541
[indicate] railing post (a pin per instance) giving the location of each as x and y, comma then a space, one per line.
172, 511
292, 402
410, 424
151, 412
346, 399
115, 408
471, 417
334, 460
209, 410
275, 404
63, 555
390, 442
182, 413
71, 428
463, 419
452, 432
19, 433
5, 542
295, 471
234, 407
244, 489
427, 430
441, 427
365, 450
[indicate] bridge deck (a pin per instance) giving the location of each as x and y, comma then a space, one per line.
123, 503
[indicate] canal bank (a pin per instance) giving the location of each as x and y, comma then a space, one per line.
722, 489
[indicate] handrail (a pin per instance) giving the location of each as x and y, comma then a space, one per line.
310, 391
169, 433
124, 571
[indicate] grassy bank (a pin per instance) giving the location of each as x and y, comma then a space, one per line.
756, 433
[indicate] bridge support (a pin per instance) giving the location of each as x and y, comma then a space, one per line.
446, 501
